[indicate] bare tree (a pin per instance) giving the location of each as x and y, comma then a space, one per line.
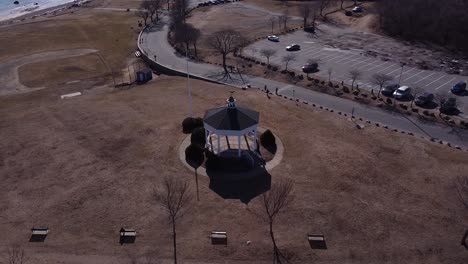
329, 71
288, 58
341, 5
322, 5
15, 254
461, 184
143, 14
305, 11
179, 12
193, 35
272, 21
176, 199
224, 42
267, 53
354, 75
415, 92
153, 7
380, 79
284, 18
273, 203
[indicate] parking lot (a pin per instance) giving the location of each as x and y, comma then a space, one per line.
342, 61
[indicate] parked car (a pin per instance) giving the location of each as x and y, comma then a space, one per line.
273, 38
402, 92
459, 88
424, 99
310, 68
357, 9
389, 89
293, 47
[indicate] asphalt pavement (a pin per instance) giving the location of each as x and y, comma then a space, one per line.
153, 43
341, 61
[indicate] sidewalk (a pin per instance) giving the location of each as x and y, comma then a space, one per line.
154, 44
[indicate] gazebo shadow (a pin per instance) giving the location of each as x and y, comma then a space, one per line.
242, 178
243, 190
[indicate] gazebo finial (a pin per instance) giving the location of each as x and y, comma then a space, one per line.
231, 102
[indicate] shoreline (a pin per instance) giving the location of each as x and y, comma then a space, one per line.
44, 12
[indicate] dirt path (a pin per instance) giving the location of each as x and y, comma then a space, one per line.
9, 76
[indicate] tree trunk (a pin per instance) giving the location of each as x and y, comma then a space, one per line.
275, 248
305, 21
174, 240
224, 64
380, 90
286, 66
196, 183
352, 85
195, 48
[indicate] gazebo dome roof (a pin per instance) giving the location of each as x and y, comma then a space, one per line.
231, 117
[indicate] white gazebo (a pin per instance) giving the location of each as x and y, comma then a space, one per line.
230, 121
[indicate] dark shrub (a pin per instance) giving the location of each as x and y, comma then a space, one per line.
374, 98
198, 137
345, 89
425, 112
262, 63
257, 62
194, 156
301, 77
292, 74
190, 123
403, 106
310, 78
330, 84
364, 95
317, 81
250, 65
355, 92
415, 110
269, 66
323, 82
284, 71
268, 141
389, 101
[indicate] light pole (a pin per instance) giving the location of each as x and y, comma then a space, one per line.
402, 64
188, 84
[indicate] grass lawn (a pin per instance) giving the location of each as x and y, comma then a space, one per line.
87, 166
112, 33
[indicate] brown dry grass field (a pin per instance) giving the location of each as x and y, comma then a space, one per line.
87, 166
50, 73
251, 23
113, 34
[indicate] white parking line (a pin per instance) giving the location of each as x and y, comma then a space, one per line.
413, 75
363, 66
315, 52
425, 77
391, 65
445, 84
378, 65
399, 69
435, 80
346, 56
334, 55
344, 59
360, 62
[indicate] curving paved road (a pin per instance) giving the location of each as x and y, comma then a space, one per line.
153, 42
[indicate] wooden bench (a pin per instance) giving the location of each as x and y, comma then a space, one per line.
39, 234
218, 238
317, 241
127, 235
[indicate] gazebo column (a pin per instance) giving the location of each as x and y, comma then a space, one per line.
238, 145
219, 145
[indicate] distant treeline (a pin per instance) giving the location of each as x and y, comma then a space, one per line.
444, 22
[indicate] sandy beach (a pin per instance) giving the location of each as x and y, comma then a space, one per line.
32, 12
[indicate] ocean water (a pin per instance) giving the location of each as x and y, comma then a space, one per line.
9, 10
